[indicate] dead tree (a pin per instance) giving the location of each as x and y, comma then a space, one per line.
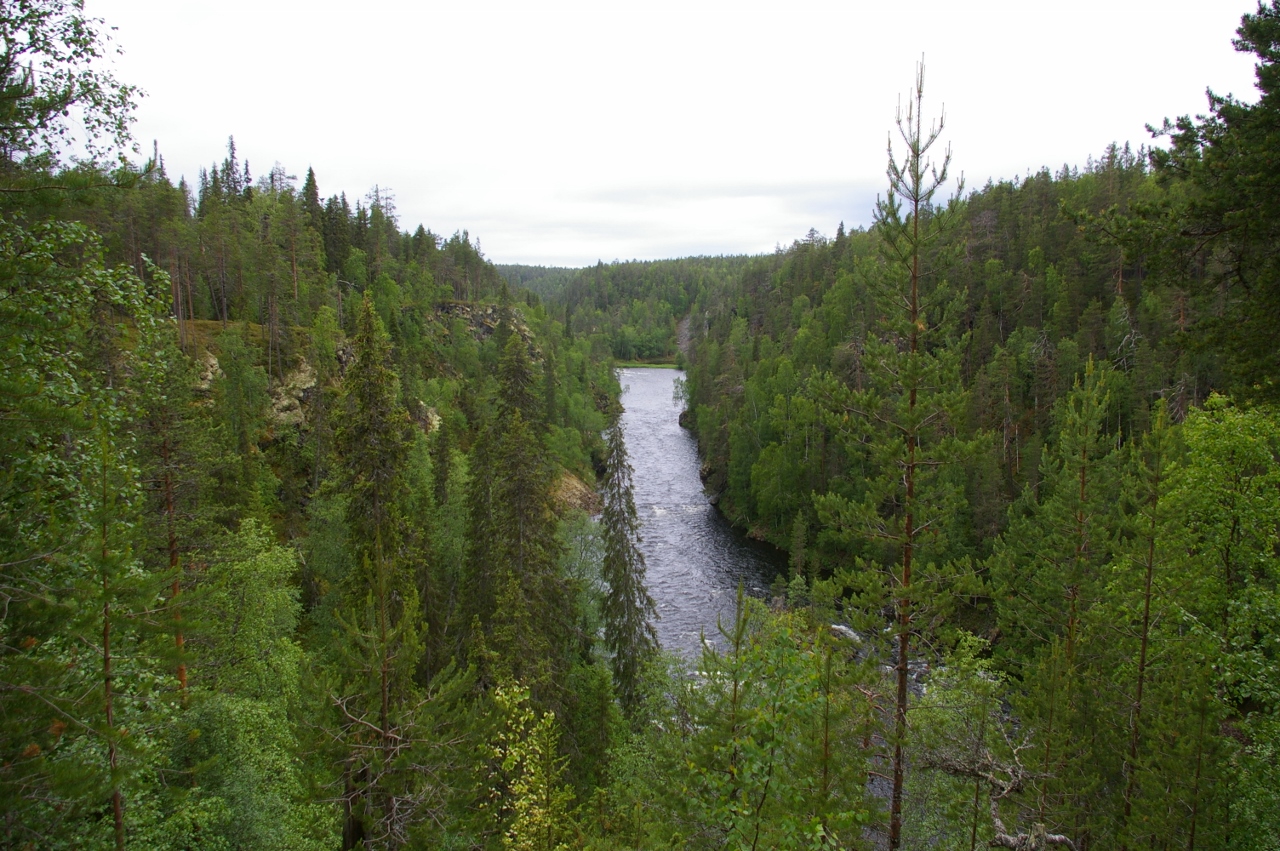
1003, 780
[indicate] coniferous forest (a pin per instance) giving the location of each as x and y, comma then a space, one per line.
317, 531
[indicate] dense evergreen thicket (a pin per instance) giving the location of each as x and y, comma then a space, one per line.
1050, 398
297, 545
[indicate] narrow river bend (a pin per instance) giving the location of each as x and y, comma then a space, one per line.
695, 559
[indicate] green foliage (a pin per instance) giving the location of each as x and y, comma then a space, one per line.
530, 616
962, 732
766, 754
238, 739
1213, 233
902, 420
630, 310
51, 65
276, 406
246, 545
241, 396
528, 796
1224, 537
628, 610
1046, 568
514, 587
373, 440
76, 674
376, 703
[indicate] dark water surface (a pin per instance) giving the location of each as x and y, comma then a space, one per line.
695, 559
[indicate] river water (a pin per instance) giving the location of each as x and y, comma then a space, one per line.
695, 559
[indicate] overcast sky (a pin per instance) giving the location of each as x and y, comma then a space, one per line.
563, 133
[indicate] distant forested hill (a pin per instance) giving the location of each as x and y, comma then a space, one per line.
544, 281
637, 304
629, 308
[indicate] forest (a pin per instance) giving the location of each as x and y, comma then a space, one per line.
317, 529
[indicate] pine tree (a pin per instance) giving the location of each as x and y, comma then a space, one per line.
905, 417
1219, 223
628, 609
767, 759
175, 449
1153, 676
1047, 574
1151, 468
1046, 568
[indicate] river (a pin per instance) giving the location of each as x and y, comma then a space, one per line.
695, 559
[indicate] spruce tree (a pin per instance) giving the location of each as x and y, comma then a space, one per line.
515, 589
377, 701
517, 378
531, 620
244, 481
441, 463
373, 437
628, 609
311, 201
482, 506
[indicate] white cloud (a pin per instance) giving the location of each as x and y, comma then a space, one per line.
568, 132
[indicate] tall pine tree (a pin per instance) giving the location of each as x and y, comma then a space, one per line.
903, 419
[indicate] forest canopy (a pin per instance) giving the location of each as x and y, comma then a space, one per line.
317, 529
